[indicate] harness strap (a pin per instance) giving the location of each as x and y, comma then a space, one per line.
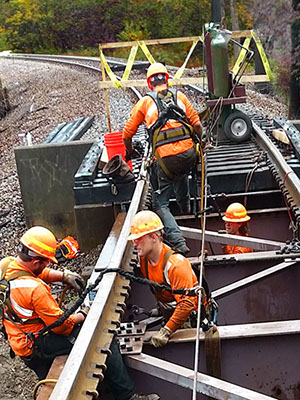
159, 137
13, 317
167, 256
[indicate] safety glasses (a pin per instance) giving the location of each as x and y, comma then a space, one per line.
159, 78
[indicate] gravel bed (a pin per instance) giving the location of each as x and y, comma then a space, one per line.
41, 97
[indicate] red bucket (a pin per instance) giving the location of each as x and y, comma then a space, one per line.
113, 137
114, 145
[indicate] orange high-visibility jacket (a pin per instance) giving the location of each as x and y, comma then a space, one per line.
179, 274
146, 111
229, 249
31, 298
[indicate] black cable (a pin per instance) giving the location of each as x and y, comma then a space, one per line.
125, 274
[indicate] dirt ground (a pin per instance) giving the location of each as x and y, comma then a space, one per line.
40, 98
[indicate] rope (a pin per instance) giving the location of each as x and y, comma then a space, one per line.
41, 383
197, 345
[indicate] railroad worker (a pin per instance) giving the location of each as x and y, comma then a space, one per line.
32, 307
172, 124
236, 223
161, 265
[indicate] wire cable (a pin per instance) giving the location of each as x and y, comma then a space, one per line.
197, 345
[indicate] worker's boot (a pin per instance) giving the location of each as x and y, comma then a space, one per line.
144, 397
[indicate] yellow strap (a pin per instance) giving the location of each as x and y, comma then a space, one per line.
241, 55
130, 62
182, 68
146, 51
109, 71
170, 135
262, 55
4, 263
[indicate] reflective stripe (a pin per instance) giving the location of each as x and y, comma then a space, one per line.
41, 245
23, 283
166, 272
21, 310
150, 111
181, 104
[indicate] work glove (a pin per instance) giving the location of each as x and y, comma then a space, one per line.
84, 310
73, 279
66, 249
161, 338
132, 154
155, 312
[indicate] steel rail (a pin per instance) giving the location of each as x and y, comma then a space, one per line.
288, 177
85, 365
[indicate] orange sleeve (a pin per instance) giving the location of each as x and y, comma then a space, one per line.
236, 249
137, 117
191, 113
48, 310
44, 275
181, 276
242, 250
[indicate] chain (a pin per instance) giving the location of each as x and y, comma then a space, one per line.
128, 275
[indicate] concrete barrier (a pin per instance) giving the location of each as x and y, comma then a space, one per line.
46, 175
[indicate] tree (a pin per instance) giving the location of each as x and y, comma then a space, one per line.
295, 64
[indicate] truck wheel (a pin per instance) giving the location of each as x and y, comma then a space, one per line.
238, 127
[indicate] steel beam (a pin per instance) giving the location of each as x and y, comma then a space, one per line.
212, 387
245, 257
240, 331
224, 291
245, 241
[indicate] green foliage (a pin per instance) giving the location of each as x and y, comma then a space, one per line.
133, 32
281, 73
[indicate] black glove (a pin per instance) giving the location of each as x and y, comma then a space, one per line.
133, 154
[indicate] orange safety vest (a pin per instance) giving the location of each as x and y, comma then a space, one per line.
31, 300
229, 249
147, 111
178, 273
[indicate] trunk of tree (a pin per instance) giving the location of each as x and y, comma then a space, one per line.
4, 103
294, 111
234, 25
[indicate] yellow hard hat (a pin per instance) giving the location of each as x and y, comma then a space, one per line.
236, 212
41, 241
144, 222
155, 69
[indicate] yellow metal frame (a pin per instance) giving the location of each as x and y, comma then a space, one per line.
178, 80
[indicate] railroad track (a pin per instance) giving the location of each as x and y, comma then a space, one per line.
85, 366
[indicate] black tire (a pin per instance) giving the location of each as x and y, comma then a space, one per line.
238, 127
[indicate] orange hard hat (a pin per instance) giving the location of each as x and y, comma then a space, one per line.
236, 212
40, 241
144, 222
156, 69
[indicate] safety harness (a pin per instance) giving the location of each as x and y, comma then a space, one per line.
209, 306
6, 309
168, 109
